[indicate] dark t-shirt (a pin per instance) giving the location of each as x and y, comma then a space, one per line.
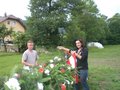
82, 63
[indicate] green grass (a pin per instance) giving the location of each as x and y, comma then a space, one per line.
104, 66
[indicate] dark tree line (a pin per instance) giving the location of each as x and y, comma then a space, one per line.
57, 22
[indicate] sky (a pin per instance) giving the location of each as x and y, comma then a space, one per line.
19, 8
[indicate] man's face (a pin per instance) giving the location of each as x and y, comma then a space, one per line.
30, 46
78, 44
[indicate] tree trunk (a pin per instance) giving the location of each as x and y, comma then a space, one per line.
5, 48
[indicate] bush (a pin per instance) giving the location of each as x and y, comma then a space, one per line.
2, 80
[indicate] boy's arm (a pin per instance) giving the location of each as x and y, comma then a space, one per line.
24, 58
27, 64
37, 57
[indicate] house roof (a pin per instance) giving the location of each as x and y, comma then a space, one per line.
2, 19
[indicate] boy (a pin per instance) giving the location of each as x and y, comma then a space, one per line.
30, 56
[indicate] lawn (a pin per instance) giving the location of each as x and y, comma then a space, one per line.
104, 66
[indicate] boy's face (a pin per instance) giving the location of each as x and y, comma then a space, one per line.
30, 46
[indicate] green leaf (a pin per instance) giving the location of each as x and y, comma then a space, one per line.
46, 79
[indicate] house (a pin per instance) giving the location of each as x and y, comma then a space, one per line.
13, 22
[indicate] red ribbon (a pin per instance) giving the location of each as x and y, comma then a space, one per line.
68, 62
63, 87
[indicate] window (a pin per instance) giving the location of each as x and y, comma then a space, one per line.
13, 23
8, 22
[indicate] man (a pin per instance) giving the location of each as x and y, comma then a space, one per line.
29, 57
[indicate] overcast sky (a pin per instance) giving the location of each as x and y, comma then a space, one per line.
19, 8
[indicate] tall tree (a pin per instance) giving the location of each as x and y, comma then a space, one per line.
114, 26
20, 40
4, 32
46, 17
89, 20
79, 16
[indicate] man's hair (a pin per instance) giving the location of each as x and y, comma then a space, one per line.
30, 41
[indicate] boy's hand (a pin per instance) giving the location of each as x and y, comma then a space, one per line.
37, 64
31, 65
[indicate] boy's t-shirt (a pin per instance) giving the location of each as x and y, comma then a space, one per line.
30, 56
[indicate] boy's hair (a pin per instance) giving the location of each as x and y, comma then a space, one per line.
30, 41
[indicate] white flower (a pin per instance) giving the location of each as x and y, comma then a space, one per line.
68, 82
69, 67
51, 61
56, 58
26, 68
47, 72
32, 73
16, 75
52, 65
13, 84
40, 66
72, 82
59, 59
40, 86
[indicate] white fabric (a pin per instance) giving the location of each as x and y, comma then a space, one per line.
72, 61
95, 44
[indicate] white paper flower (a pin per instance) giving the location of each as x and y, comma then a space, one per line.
69, 67
72, 82
13, 84
26, 68
59, 59
68, 82
40, 66
52, 65
47, 72
40, 86
16, 75
51, 61
56, 58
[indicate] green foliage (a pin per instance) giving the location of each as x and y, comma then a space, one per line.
4, 32
74, 33
80, 19
29, 78
114, 26
20, 39
89, 20
100, 78
47, 17
2, 79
